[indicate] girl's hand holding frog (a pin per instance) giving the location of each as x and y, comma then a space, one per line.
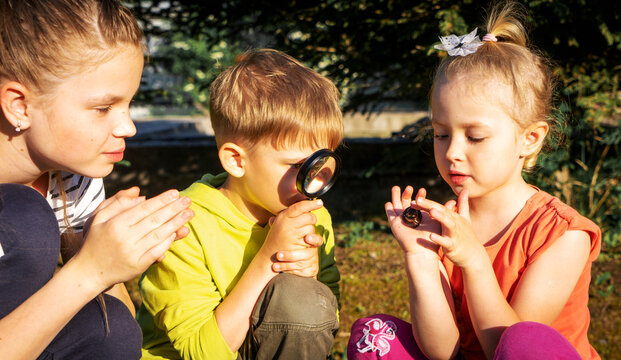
412, 240
458, 240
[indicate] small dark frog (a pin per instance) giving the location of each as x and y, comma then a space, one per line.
412, 217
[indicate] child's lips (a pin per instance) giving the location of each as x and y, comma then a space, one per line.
458, 178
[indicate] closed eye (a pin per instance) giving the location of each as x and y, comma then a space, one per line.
103, 109
297, 165
475, 140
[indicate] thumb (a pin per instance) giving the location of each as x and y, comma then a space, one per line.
463, 208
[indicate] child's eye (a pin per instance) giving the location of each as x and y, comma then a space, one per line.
440, 136
297, 165
475, 139
103, 109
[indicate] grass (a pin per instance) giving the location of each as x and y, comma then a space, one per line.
374, 281
370, 261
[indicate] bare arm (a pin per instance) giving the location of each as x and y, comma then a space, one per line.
431, 308
72, 245
431, 302
124, 240
542, 293
289, 229
45, 313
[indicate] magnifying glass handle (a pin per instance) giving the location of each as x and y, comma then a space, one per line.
412, 217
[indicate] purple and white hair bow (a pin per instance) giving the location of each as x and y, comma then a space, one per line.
460, 45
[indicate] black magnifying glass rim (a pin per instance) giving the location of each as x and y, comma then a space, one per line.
309, 163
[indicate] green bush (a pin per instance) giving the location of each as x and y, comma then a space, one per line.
380, 51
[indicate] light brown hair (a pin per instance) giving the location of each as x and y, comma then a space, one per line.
270, 96
510, 61
43, 41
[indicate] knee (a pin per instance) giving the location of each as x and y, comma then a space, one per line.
532, 340
382, 336
87, 336
23, 209
527, 331
293, 299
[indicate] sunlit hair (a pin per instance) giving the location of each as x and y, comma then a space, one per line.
509, 61
269, 96
44, 41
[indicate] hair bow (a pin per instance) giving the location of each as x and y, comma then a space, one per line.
460, 45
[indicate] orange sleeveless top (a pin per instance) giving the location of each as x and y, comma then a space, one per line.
543, 219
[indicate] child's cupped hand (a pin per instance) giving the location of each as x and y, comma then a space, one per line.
458, 240
292, 242
128, 233
412, 240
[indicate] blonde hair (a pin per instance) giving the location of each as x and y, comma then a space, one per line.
511, 61
44, 41
268, 95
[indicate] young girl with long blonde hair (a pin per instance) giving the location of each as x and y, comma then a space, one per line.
502, 272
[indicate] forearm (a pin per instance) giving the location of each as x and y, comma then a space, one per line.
233, 314
489, 311
433, 323
29, 329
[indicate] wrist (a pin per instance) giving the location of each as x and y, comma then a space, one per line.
80, 279
422, 265
423, 259
477, 263
89, 273
263, 265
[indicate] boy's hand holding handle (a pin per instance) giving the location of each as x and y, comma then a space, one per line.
128, 233
292, 242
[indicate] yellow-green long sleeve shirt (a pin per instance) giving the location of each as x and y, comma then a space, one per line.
181, 293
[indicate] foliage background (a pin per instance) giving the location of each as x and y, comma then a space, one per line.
379, 52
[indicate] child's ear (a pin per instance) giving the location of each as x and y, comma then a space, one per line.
232, 159
533, 137
14, 105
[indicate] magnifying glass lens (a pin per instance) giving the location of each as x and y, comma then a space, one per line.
318, 173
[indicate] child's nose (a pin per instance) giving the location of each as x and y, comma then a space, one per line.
454, 152
125, 126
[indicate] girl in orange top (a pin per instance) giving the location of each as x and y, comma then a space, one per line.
505, 261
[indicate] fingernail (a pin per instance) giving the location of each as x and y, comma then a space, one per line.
188, 214
174, 194
319, 202
186, 200
279, 256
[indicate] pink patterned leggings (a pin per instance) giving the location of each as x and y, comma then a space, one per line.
387, 337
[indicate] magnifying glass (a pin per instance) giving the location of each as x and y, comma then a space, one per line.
318, 173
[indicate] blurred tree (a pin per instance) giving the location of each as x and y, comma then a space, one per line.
380, 51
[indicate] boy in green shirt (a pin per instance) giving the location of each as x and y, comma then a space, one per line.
256, 278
